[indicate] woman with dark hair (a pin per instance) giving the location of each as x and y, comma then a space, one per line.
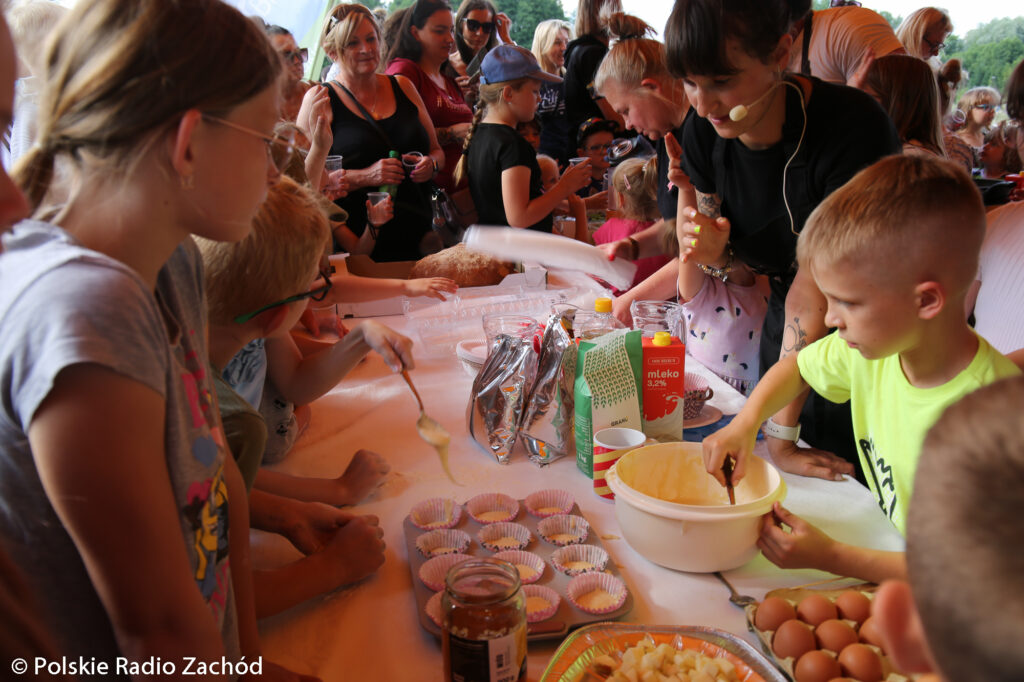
582, 58
478, 26
909, 92
762, 149
423, 41
1014, 100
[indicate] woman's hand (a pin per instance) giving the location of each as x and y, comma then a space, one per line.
459, 131
423, 170
434, 287
503, 25
382, 172
702, 239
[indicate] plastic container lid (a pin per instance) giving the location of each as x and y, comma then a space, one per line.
662, 339
603, 305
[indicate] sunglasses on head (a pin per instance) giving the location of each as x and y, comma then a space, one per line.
474, 25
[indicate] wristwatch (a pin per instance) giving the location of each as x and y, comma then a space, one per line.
773, 429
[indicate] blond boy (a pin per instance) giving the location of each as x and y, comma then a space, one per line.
960, 616
257, 289
894, 252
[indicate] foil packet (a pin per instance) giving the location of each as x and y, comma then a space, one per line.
548, 423
498, 398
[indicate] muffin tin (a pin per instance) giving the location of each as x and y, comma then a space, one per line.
797, 595
566, 617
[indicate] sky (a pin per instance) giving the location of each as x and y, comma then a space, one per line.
966, 14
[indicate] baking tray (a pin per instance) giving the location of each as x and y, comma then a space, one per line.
567, 617
580, 648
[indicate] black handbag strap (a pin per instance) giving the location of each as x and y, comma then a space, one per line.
369, 119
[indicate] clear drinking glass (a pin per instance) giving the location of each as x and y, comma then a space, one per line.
658, 316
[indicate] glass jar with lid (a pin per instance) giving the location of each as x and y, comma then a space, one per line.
483, 622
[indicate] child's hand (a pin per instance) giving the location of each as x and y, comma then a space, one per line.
791, 458
381, 213
732, 440
313, 101
337, 185
702, 239
355, 551
575, 177
320, 119
622, 248
803, 546
395, 348
434, 287
675, 157
313, 525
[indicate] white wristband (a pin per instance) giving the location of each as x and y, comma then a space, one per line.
773, 429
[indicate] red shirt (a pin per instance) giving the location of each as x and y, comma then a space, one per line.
446, 107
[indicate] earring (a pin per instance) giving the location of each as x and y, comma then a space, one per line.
187, 181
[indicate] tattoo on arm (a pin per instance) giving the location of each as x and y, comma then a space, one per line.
709, 204
794, 337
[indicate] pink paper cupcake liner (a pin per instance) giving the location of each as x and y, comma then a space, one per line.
433, 608
588, 583
593, 555
437, 512
536, 592
545, 503
433, 571
499, 537
564, 529
443, 541
518, 557
491, 508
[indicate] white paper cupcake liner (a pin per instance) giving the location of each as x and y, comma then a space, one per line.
564, 529
593, 555
540, 592
443, 541
545, 503
437, 512
518, 557
433, 608
433, 571
492, 508
499, 537
588, 583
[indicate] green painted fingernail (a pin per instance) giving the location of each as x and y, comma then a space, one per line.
696, 230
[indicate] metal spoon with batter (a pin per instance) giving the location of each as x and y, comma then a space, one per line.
431, 431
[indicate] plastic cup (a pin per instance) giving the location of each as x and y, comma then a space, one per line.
410, 159
565, 226
576, 160
514, 325
376, 213
333, 162
658, 316
326, 315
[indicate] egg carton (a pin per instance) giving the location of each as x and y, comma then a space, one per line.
795, 595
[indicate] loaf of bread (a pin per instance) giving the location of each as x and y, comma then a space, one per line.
467, 268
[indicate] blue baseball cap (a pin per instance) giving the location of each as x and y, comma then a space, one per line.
509, 62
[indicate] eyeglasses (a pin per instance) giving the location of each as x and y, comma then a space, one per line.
300, 55
599, 147
280, 147
987, 107
317, 294
935, 46
474, 25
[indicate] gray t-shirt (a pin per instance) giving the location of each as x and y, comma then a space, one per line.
61, 305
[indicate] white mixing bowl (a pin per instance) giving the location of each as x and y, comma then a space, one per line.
682, 519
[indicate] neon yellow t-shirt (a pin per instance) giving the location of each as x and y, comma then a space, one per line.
891, 416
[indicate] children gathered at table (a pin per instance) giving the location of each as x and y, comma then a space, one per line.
157, 258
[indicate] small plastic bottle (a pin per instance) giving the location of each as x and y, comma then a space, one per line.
601, 322
391, 189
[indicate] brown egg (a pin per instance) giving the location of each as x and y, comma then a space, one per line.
815, 609
816, 666
842, 679
792, 639
869, 633
853, 605
773, 612
834, 635
861, 662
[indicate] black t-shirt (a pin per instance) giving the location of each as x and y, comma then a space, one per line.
582, 57
554, 126
494, 149
846, 131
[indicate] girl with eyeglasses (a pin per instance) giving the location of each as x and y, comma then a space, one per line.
978, 106
582, 57
155, 123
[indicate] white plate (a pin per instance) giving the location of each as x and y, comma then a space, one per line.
708, 415
472, 350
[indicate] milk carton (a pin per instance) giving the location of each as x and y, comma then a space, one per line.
662, 382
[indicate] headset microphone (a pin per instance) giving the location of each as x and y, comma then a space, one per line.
739, 112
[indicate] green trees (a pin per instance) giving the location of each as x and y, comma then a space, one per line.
526, 14
989, 52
